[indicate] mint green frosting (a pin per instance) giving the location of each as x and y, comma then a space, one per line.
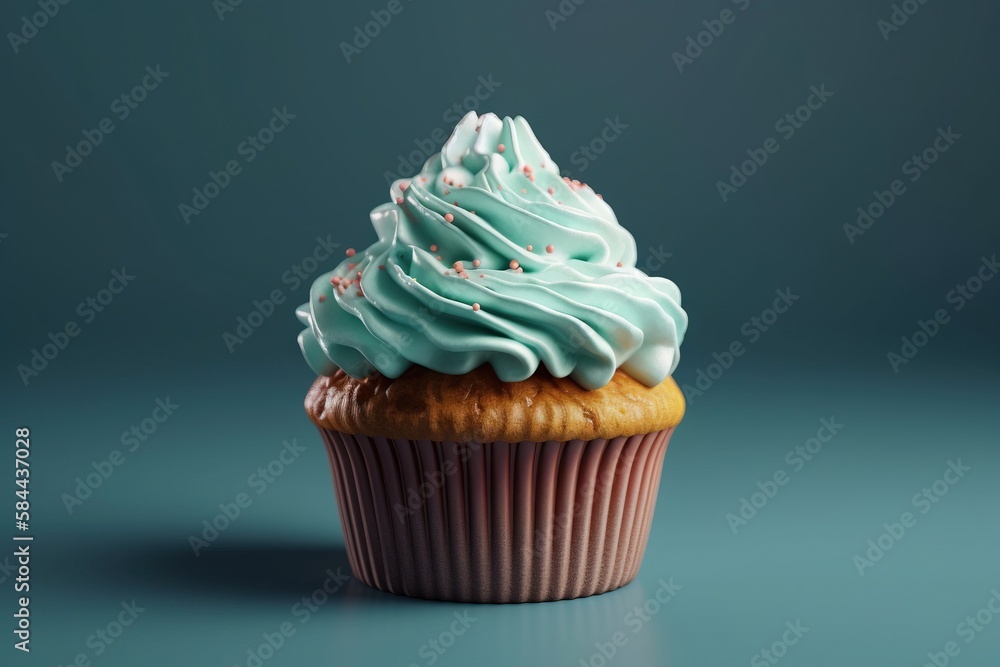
575, 301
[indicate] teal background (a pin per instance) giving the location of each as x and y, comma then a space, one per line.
162, 336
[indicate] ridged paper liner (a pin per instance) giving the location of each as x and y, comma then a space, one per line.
496, 521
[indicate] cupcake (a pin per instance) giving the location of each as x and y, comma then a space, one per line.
494, 387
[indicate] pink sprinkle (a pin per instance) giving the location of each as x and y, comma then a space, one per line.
399, 200
524, 191
550, 248
472, 212
476, 263
458, 266
543, 165
501, 148
528, 247
382, 266
448, 217
322, 298
514, 264
465, 275
351, 265
434, 248
439, 258
423, 179
403, 186
619, 264
350, 252
359, 275
482, 275
335, 280
475, 306
552, 191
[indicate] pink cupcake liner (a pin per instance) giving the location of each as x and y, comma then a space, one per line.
496, 521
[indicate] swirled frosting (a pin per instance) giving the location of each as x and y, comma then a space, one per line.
489, 256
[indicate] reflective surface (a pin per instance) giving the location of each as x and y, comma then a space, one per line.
727, 596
